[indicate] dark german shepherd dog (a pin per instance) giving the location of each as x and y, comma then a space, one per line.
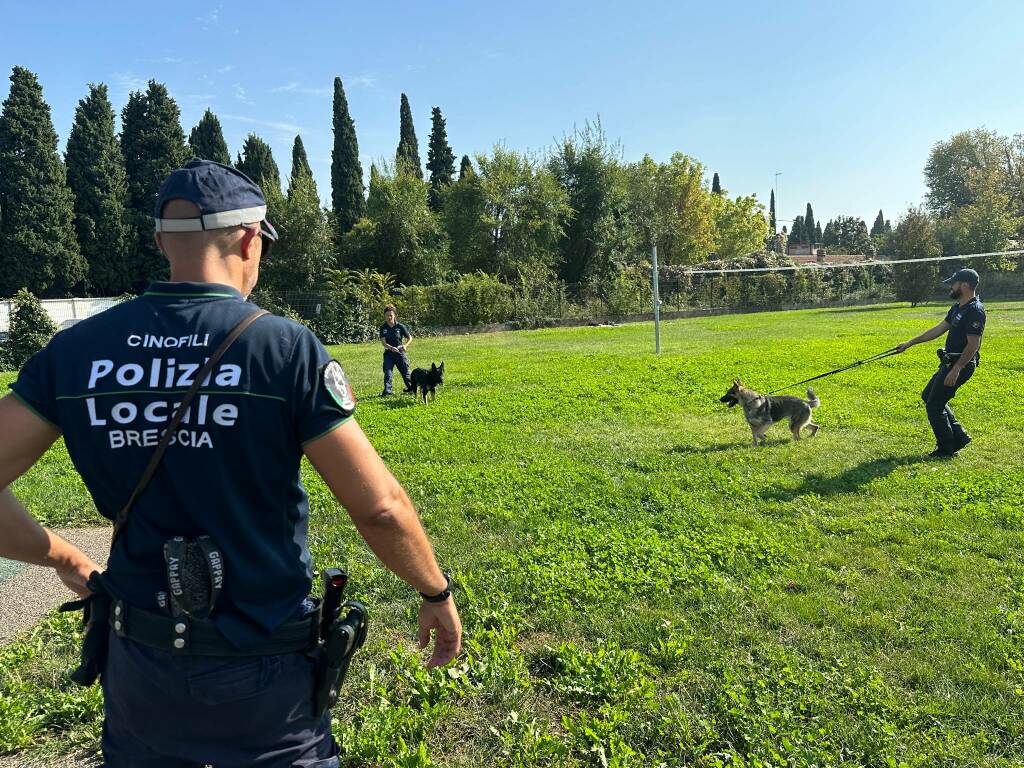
425, 381
761, 411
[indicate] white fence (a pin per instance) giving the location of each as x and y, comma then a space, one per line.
63, 312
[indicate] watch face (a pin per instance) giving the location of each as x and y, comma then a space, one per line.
336, 383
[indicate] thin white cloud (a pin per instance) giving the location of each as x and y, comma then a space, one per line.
360, 81
294, 87
352, 81
225, 70
168, 60
210, 19
242, 96
289, 128
123, 83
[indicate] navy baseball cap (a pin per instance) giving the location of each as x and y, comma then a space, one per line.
225, 197
962, 276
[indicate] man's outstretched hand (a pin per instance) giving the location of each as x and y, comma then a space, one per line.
443, 620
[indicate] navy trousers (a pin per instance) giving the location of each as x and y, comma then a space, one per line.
166, 711
936, 396
392, 360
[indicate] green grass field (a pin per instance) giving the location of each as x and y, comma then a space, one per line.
639, 585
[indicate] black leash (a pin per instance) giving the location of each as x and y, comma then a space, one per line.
879, 356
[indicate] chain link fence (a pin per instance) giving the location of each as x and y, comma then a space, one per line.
476, 301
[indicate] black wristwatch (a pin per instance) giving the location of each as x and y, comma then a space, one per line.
443, 595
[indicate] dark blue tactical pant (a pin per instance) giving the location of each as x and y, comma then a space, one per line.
948, 431
392, 359
165, 711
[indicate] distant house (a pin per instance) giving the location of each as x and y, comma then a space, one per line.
801, 249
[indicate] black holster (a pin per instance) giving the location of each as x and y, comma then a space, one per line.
95, 643
333, 655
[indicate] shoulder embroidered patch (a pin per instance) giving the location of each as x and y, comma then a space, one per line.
336, 383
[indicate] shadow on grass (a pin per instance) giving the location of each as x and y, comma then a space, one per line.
708, 449
850, 481
850, 310
392, 402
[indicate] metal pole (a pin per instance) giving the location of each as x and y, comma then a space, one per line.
657, 300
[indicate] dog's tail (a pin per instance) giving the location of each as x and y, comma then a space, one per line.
812, 399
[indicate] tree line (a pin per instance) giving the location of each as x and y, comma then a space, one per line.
577, 212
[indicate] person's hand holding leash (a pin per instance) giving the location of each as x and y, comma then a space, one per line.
901, 348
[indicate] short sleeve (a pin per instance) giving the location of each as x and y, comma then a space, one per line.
405, 333
36, 385
975, 323
383, 330
322, 397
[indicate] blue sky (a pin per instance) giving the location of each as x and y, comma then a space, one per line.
844, 99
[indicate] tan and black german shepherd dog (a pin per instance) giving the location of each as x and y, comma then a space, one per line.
761, 411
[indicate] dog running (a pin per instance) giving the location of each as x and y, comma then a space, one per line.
761, 411
424, 380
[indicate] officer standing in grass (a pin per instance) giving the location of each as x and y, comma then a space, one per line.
395, 337
965, 323
229, 682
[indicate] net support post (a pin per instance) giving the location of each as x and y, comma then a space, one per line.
657, 299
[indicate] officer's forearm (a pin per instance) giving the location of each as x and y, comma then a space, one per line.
377, 504
973, 344
22, 538
395, 535
930, 334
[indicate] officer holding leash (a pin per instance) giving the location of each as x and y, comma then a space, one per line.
187, 412
965, 323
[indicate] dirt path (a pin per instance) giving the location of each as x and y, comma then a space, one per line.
32, 592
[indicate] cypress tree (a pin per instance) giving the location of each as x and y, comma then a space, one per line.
817, 232
346, 172
796, 233
97, 178
300, 165
716, 185
38, 249
466, 167
808, 228
257, 162
771, 214
207, 140
408, 154
878, 228
440, 159
153, 145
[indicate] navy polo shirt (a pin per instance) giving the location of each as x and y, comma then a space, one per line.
968, 320
110, 383
394, 334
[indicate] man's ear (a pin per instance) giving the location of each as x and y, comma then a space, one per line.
250, 240
159, 243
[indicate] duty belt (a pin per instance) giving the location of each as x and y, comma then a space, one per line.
948, 358
184, 636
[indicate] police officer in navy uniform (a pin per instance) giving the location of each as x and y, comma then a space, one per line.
231, 473
395, 337
965, 324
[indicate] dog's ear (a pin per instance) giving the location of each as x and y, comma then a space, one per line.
433, 366
738, 382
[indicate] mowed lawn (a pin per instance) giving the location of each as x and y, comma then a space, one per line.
639, 585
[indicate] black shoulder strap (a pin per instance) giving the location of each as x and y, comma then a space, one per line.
161, 448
